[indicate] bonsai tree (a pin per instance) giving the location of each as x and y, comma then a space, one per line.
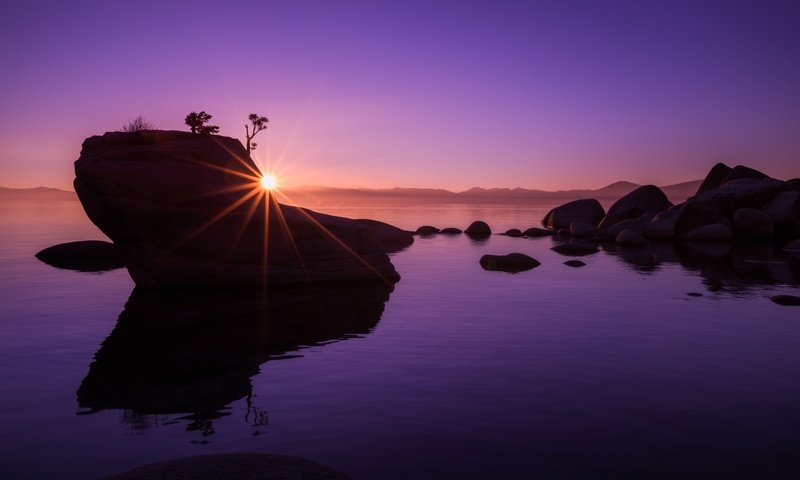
197, 122
137, 125
258, 123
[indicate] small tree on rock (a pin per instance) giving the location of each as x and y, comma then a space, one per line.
258, 123
197, 122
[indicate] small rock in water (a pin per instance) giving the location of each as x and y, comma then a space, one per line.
694, 294
578, 249
83, 256
478, 229
451, 231
574, 263
786, 300
427, 230
514, 232
513, 262
538, 232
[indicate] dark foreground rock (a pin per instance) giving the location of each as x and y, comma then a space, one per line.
512, 262
84, 256
230, 466
786, 300
187, 210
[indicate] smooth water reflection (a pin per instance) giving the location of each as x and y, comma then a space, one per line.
606, 371
195, 352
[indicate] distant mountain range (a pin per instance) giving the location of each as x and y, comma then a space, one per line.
36, 193
676, 193
315, 194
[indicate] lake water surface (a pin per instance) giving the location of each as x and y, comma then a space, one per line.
606, 371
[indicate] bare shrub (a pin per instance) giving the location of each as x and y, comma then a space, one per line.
137, 125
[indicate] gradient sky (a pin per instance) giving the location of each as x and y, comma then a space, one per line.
551, 94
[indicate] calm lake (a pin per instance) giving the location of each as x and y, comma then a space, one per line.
607, 371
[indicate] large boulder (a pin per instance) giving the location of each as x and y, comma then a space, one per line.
188, 210
586, 210
714, 178
747, 192
645, 199
714, 232
751, 223
696, 214
784, 208
740, 171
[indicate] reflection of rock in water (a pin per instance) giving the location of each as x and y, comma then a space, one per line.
194, 352
724, 266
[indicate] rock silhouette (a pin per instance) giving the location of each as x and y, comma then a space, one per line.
187, 210
83, 256
730, 204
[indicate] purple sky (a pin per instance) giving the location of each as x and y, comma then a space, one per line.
551, 95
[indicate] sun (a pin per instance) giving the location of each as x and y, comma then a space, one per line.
269, 182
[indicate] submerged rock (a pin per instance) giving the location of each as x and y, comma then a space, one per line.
242, 466
84, 256
575, 263
451, 231
512, 262
188, 210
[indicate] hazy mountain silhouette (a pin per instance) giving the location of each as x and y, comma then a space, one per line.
676, 193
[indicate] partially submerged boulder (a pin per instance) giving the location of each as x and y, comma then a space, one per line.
188, 210
393, 239
752, 223
427, 230
83, 256
478, 229
587, 210
512, 262
451, 231
645, 199
538, 232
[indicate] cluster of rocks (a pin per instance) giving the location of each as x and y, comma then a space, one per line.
477, 230
731, 203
